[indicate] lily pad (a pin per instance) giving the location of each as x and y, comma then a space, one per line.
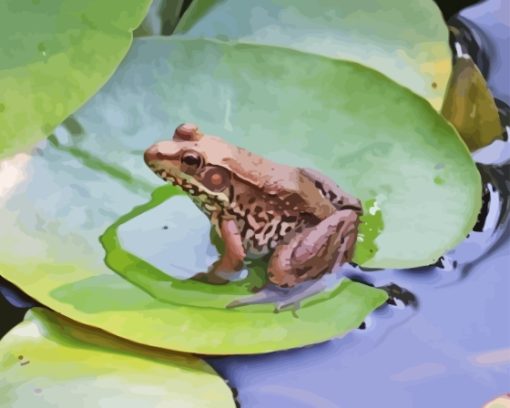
378, 140
405, 40
50, 361
55, 55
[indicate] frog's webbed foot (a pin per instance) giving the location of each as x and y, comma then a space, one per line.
282, 298
213, 278
230, 262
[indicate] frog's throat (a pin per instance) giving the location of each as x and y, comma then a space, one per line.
201, 195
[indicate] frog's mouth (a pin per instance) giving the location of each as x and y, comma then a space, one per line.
185, 183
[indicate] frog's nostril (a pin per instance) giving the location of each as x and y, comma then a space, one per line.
151, 154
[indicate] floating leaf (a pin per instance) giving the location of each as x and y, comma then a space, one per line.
405, 40
50, 361
55, 55
377, 139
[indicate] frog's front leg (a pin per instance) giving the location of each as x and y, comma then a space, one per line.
232, 259
306, 257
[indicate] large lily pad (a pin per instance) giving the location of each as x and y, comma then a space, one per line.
49, 361
56, 54
378, 140
405, 40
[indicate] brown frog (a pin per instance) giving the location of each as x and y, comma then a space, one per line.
298, 217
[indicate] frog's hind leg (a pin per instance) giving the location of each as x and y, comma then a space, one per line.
295, 267
315, 251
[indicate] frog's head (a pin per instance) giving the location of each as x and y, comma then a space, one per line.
192, 161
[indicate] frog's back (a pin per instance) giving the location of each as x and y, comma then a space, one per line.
272, 177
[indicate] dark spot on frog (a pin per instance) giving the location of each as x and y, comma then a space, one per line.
252, 200
20, 357
362, 326
37, 390
24, 363
434, 85
165, 227
257, 209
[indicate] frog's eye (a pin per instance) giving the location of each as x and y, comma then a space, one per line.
191, 162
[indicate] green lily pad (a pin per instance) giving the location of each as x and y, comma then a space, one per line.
378, 140
55, 55
50, 361
405, 40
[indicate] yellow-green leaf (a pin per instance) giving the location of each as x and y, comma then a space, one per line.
54, 55
50, 361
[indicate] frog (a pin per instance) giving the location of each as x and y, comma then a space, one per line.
296, 217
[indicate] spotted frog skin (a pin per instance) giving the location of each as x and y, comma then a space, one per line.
298, 217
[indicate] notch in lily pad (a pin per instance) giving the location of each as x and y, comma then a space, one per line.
162, 244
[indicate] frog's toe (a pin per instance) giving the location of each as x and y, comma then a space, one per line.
287, 305
210, 278
283, 299
269, 294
